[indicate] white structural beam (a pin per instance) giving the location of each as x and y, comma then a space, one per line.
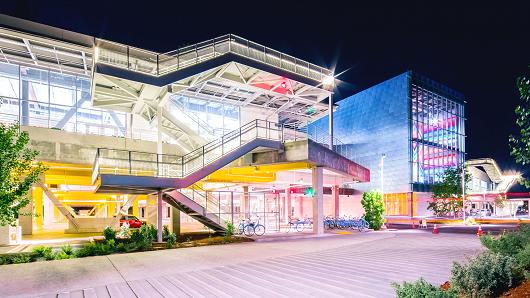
28, 47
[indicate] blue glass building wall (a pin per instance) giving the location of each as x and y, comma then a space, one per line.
375, 122
417, 123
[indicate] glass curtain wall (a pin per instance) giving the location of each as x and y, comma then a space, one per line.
437, 135
209, 119
49, 99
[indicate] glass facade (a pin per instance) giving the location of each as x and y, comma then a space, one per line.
210, 119
49, 99
437, 135
417, 123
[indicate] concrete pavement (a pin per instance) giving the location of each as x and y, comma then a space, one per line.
356, 265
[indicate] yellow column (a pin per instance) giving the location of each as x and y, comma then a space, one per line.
135, 206
37, 200
111, 207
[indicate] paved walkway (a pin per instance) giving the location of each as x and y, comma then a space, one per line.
356, 265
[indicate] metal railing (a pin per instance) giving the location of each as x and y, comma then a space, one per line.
124, 162
157, 64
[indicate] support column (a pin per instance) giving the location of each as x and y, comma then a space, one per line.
39, 210
175, 220
288, 208
318, 200
24, 104
159, 217
330, 115
335, 198
135, 207
301, 207
283, 206
244, 202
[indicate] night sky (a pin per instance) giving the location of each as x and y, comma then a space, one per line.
477, 48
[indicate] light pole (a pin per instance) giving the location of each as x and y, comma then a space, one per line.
329, 82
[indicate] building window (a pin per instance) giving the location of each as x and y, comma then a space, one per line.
168, 212
142, 212
437, 135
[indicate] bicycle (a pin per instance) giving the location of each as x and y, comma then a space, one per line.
298, 225
254, 228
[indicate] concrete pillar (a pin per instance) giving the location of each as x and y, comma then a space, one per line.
26, 221
335, 197
301, 207
318, 200
159, 217
175, 220
39, 208
288, 208
245, 203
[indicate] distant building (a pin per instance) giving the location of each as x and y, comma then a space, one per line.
419, 126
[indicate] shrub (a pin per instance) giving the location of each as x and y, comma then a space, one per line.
109, 233
229, 229
171, 240
120, 247
41, 251
143, 237
67, 249
373, 209
61, 255
421, 288
165, 232
124, 231
20, 258
486, 275
89, 249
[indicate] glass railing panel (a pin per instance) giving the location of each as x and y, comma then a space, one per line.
256, 51
112, 53
272, 57
221, 45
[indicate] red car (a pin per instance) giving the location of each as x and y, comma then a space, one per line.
132, 220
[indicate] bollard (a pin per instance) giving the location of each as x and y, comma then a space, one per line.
435, 229
479, 231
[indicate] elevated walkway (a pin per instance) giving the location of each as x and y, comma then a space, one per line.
120, 171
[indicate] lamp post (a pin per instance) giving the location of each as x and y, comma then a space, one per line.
329, 82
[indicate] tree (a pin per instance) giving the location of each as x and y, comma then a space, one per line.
447, 194
18, 172
520, 143
373, 209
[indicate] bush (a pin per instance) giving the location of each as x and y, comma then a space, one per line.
165, 232
42, 251
67, 249
20, 258
373, 209
486, 275
229, 229
420, 289
171, 240
143, 237
61, 255
109, 233
120, 247
515, 244
88, 249
124, 231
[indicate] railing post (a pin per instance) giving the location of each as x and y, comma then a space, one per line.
157, 64
222, 145
128, 61
157, 166
203, 162
130, 165
240, 137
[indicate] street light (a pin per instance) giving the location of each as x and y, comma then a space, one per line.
329, 82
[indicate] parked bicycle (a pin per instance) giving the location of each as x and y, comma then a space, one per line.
297, 224
250, 228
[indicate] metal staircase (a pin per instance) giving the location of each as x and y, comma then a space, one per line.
198, 205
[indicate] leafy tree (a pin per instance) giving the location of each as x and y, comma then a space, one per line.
520, 143
18, 171
373, 209
447, 194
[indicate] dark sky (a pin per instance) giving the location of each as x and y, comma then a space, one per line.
475, 47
